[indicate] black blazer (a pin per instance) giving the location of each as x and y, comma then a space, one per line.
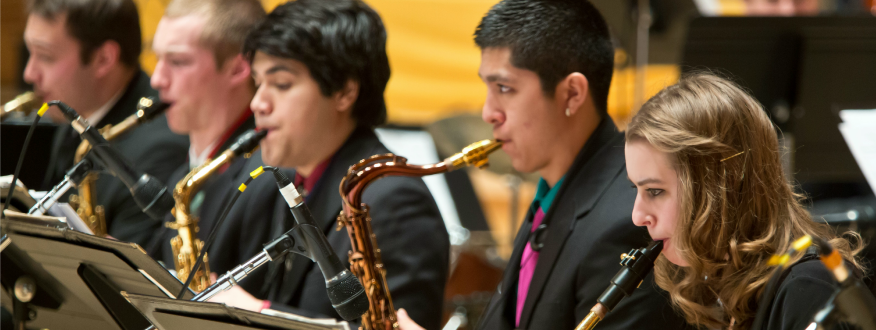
589, 226
151, 148
805, 290
410, 232
215, 193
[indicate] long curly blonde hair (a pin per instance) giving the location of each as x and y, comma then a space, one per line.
736, 206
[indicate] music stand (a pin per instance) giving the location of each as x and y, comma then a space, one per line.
171, 314
62, 279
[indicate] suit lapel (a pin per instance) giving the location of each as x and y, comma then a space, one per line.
324, 203
127, 103
506, 296
585, 184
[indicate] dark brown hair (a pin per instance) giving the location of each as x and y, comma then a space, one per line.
94, 22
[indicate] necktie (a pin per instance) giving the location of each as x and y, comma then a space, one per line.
527, 267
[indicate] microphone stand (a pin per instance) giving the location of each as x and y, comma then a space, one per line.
272, 251
73, 178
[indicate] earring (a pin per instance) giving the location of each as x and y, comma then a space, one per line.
568, 112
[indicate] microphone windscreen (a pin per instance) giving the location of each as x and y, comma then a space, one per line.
347, 296
152, 197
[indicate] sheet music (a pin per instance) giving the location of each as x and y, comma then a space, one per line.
326, 322
859, 130
73, 219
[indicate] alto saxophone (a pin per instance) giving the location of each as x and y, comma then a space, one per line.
365, 261
24, 103
95, 216
186, 246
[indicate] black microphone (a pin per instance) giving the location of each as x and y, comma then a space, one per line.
151, 195
344, 289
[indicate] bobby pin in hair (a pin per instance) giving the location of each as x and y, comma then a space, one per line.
739, 153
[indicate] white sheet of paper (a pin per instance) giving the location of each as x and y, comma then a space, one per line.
73, 220
326, 322
859, 130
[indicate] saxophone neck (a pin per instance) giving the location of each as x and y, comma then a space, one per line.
188, 186
109, 132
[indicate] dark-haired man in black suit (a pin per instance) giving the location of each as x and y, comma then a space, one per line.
86, 53
548, 66
321, 68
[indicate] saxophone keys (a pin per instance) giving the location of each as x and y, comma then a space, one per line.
74, 201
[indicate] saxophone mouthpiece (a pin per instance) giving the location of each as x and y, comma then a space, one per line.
636, 266
475, 154
150, 107
248, 141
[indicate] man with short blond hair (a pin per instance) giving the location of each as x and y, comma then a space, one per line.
202, 74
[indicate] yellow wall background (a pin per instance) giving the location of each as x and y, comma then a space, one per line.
434, 59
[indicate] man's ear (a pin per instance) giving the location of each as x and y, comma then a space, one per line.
573, 91
347, 96
105, 57
237, 69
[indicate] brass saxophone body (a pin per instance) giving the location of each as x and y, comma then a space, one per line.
84, 203
364, 257
24, 103
186, 246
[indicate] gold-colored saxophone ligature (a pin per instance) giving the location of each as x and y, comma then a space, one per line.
365, 260
84, 203
186, 246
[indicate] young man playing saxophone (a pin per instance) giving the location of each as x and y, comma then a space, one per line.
548, 66
85, 53
208, 82
321, 68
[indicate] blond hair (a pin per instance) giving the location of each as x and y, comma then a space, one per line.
736, 207
227, 23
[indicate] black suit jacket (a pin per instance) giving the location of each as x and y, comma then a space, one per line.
589, 226
216, 192
151, 147
410, 232
805, 290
